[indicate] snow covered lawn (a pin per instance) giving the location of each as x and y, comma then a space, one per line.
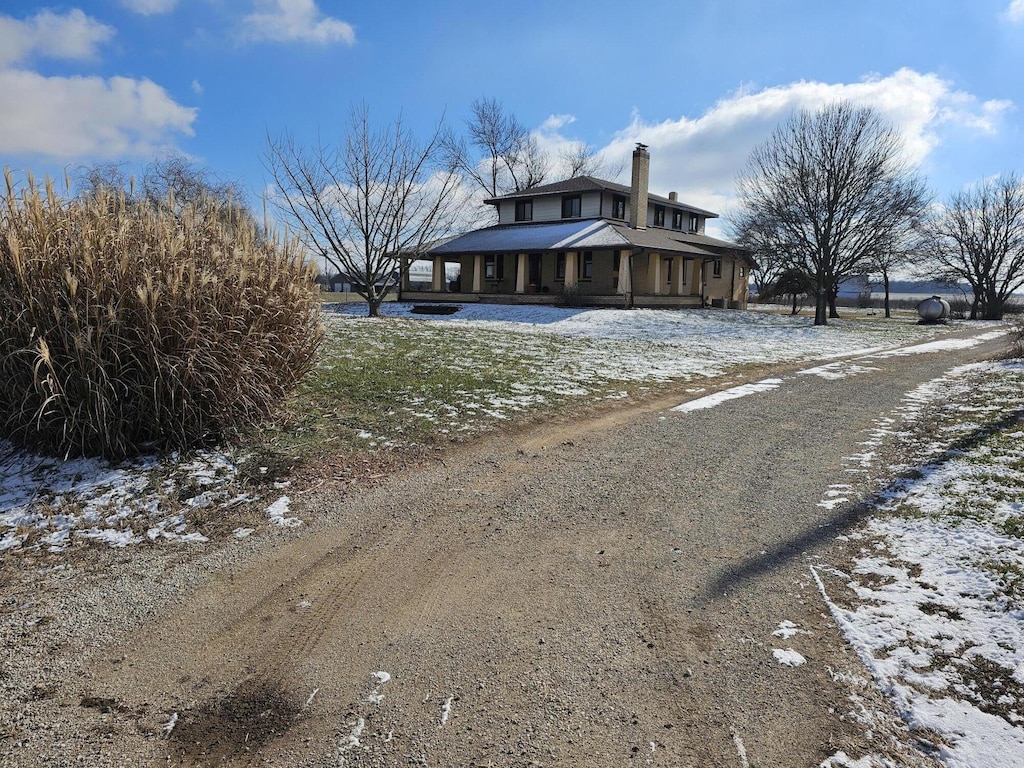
938, 612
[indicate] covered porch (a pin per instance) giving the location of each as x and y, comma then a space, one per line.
608, 278
579, 263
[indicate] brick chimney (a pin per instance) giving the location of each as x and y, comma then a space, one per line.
638, 187
673, 196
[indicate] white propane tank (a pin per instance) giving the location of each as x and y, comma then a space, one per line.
933, 310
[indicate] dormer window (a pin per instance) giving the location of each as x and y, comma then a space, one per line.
618, 207
572, 207
694, 222
677, 219
659, 215
524, 210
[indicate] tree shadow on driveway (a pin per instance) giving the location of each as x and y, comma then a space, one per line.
850, 517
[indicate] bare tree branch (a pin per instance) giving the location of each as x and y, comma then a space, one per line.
363, 204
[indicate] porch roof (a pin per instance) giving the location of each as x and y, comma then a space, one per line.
579, 235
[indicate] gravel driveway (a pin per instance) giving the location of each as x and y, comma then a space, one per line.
607, 591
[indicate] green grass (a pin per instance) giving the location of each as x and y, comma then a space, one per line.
399, 384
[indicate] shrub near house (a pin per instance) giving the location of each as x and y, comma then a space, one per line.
128, 325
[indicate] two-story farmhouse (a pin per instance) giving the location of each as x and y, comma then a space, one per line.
591, 242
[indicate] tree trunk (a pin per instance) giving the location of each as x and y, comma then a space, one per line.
885, 279
795, 308
820, 301
373, 307
993, 308
974, 307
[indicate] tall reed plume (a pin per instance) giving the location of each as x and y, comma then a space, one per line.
130, 326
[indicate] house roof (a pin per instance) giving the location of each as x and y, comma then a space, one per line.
581, 235
591, 184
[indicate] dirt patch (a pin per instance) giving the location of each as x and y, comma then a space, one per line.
230, 726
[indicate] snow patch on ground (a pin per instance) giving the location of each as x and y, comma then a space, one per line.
278, 514
46, 503
788, 657
938, 616
710, 401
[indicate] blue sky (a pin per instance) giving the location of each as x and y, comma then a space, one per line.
700, 82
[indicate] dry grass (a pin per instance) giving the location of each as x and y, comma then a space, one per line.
125, 326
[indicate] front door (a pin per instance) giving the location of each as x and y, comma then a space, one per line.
534, 275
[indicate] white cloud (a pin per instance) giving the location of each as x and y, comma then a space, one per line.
1015, 12
701, 157
290, 21
197, 88
79, 117
47, 34
150, 7
554, 123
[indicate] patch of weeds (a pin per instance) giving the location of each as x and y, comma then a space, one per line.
1009, 575
1013, 526
992, 688
963, 507
937, 609
264, 465
907, 511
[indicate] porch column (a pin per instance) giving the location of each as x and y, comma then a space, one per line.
478, 270
437, 278
625, 284
522, 262
654, 271
571, 269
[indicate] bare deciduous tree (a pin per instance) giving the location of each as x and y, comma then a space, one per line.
979, 238
901, 251
170, 184
379, 194
499, 154
773, 256
826, 191
581, 159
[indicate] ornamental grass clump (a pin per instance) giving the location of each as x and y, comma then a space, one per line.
129, 326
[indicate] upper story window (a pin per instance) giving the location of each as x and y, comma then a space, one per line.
618, 207
677, 219
524, 210
572, 207
659, 215
694, 222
